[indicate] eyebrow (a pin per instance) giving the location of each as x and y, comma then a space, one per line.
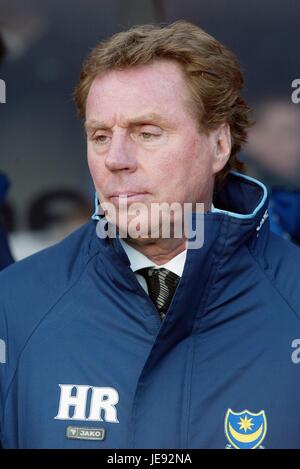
143, 119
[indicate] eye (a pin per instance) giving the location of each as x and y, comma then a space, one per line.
100, 139
148, 135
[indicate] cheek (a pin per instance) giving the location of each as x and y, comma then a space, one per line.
189, 161
191, 170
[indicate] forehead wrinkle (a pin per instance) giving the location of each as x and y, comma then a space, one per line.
150, 118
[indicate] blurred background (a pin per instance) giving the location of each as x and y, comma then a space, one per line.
47, 191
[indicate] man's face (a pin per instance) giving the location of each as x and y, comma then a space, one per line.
142, 138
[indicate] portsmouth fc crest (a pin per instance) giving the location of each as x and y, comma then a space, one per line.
245, 430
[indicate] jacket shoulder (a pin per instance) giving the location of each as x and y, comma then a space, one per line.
30, 287
53, 266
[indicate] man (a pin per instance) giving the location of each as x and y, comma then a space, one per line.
146, 341
5, 255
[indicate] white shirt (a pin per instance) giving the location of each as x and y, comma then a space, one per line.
140, 261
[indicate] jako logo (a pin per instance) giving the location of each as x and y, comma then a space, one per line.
262, 221
102, 403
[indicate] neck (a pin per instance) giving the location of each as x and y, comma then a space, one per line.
159, 251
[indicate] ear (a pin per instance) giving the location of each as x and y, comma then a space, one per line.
221, 148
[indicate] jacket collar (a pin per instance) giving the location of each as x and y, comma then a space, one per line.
240, 212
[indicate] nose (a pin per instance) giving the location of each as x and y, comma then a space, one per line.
121, 155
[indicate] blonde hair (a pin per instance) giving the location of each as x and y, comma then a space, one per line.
212, 72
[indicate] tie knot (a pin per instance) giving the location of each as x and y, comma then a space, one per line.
161, 284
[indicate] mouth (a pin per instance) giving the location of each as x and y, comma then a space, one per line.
130, 197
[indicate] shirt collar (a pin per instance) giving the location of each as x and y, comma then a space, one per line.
140, 261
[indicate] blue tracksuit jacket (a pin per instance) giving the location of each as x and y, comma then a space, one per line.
86, 363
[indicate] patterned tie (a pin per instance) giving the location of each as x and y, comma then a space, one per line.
161, 284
